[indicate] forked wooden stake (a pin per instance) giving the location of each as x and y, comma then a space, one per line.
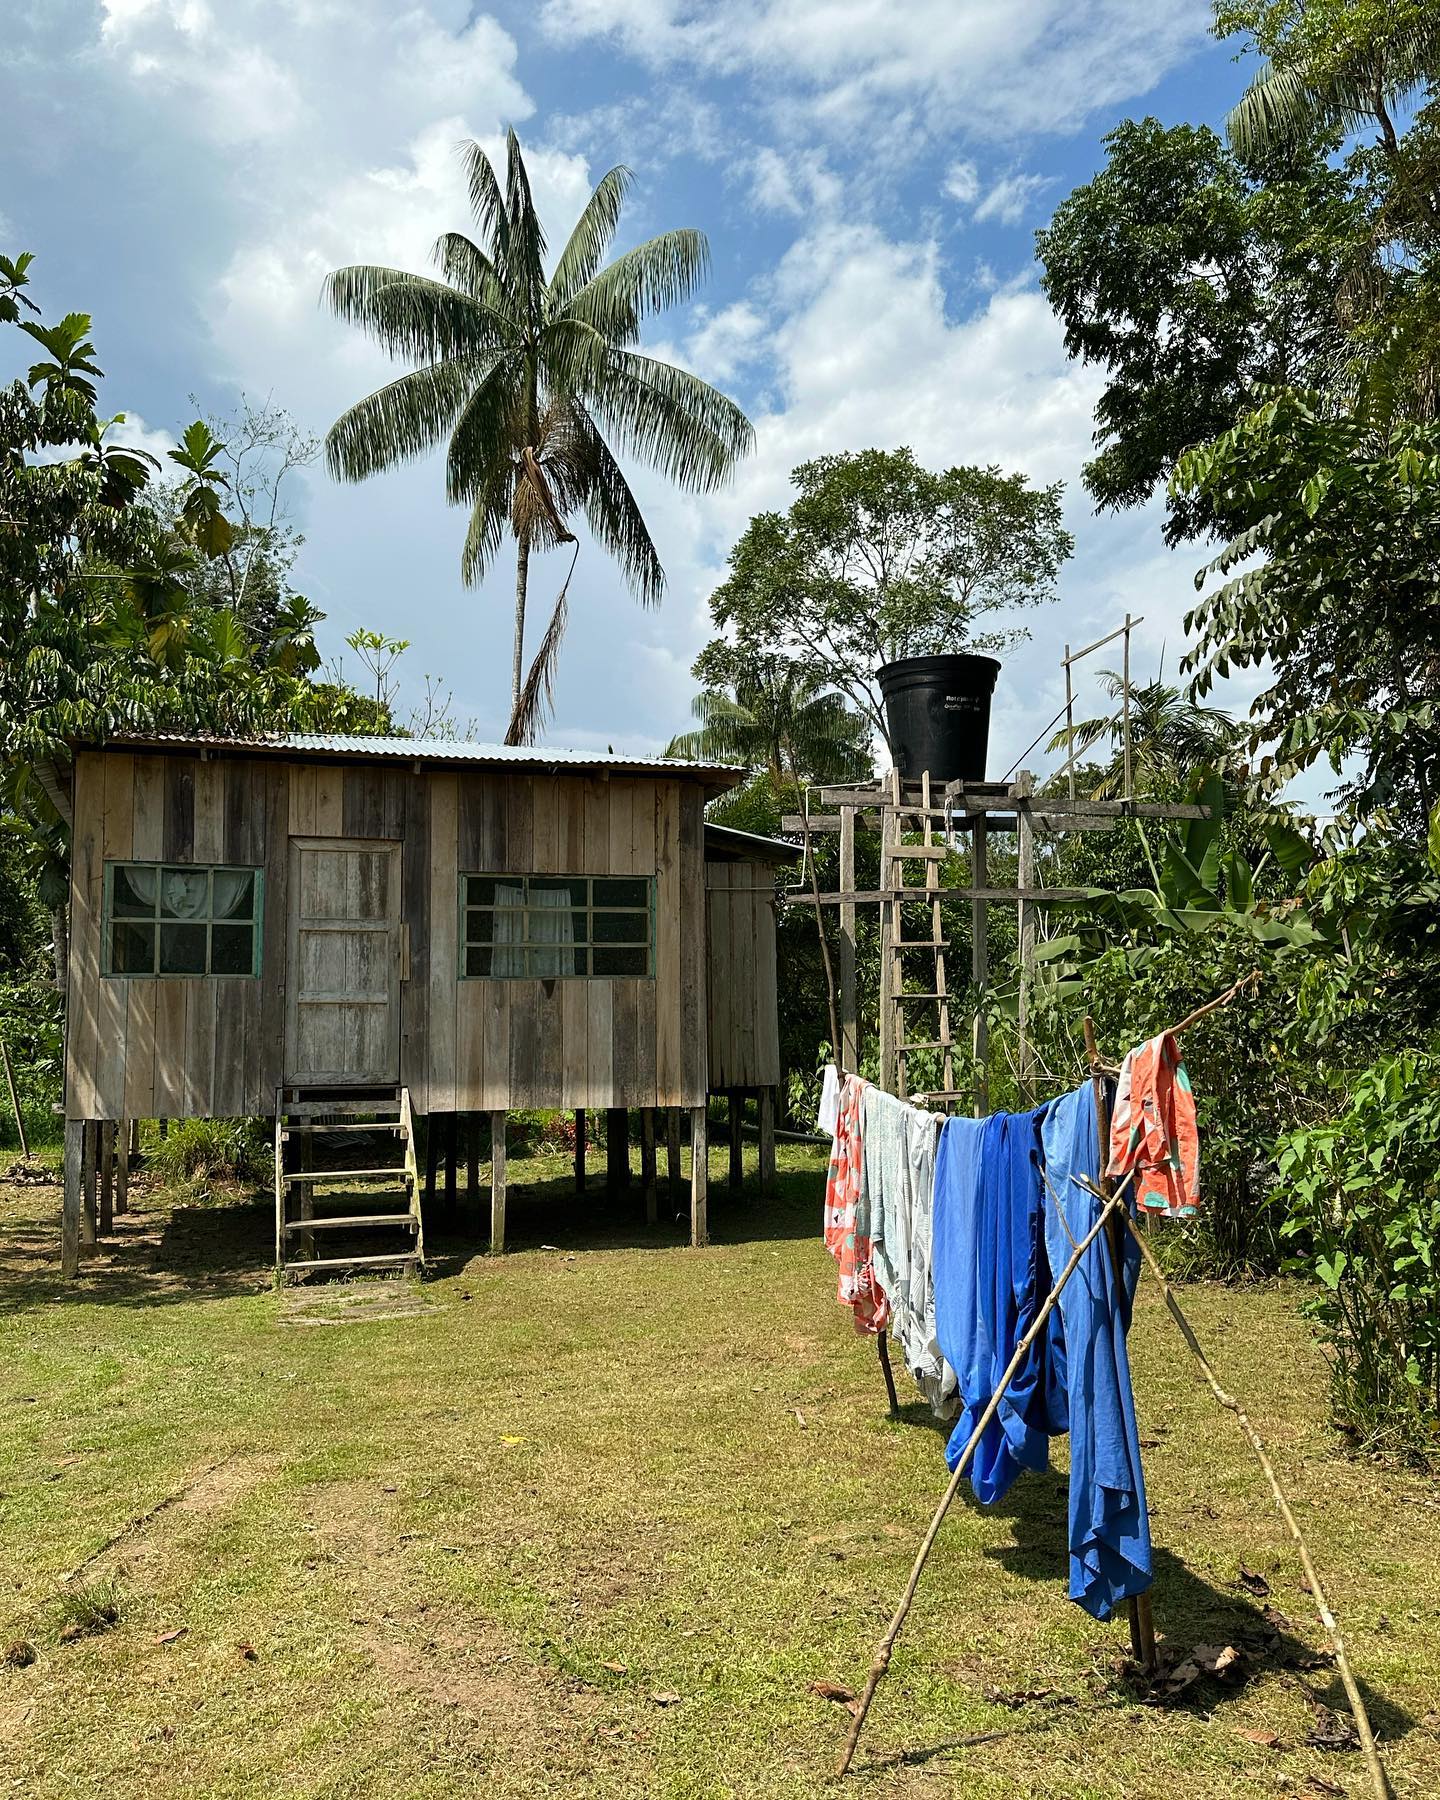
887, 1643
1378, 1778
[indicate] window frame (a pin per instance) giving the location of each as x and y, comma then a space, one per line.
108, 922
464, 942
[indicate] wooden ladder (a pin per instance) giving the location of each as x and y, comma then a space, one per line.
327, 1140
895, 857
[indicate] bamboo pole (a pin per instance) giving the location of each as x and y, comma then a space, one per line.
887, 1643
1378, 1778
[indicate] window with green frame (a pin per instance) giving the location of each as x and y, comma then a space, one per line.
557, 926
182, 919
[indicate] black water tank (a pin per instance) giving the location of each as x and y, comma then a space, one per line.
938, 712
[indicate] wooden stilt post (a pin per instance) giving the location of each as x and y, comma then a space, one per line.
768, 1171
122, 1167
134, 1142
699, 1176
497, 1183
432, 1155
307, 1192
674, 1165
847, 1051
579, 1149
735, 1120
472, 1158
87, 1182
70, 1203
106, 1225
648, 1161
452, 1124
15, 1106
617, 1148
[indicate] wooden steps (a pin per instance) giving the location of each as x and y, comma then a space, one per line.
304, 1121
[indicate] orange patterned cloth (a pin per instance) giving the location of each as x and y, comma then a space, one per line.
1153, 1130
847, 1230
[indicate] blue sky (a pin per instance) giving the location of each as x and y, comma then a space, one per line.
870, 176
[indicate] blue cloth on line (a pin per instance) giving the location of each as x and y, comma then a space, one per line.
991, 1275
1109, 1523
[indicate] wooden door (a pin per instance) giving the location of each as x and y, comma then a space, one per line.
343, 992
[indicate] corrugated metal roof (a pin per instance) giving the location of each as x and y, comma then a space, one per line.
752, 843
445, 750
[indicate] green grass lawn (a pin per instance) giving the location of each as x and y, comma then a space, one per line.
592, 1519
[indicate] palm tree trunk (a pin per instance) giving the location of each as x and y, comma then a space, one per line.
522, 583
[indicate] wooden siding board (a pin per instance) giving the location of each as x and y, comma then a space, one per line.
112, 1012
86, 893
329, 800
496, 1017
302, 800
140, 1050
444, 931
207, 838
148, 809
693, 1058
600, 1051
524, 999
669, 1086
415, 901
197, 1084
170, 1045
180, 774
548, 1055
274, 975
575, 1037
595, 805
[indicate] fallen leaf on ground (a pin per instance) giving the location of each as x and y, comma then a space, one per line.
1253, 1581
799, 1418
1015, 1698
616, 1668
18, 1655
507, 1438
169, 1637
1320, 1784
1267, 1740
665, 1698
832, 1690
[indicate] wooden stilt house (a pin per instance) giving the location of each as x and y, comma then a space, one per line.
352, 934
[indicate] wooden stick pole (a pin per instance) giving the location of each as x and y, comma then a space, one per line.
1125, 678
1378, 1778
882, 1350
14, 1101
887, 1643
1138, 1608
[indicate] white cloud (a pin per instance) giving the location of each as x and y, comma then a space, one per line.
1001, 68
1009, 199
962, 182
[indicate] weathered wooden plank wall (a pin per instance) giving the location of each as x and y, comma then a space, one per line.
743, 1030
177, 1047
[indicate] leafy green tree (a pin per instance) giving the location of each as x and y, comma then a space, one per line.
1193, 279
879, 558
1344, 609
532, 379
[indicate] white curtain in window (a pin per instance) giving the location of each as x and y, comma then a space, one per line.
508, 931
183, 893
232, 889
552, 926
145, 883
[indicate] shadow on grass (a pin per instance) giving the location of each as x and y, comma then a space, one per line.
224, 1246
1189, 1611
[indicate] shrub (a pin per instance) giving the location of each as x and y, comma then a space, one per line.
1361, 1194
214, 1149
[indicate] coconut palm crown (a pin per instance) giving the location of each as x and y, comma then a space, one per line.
534, 382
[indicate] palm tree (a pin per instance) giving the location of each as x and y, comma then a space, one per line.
774, 717
1170, 736
535, 381
1359, 80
